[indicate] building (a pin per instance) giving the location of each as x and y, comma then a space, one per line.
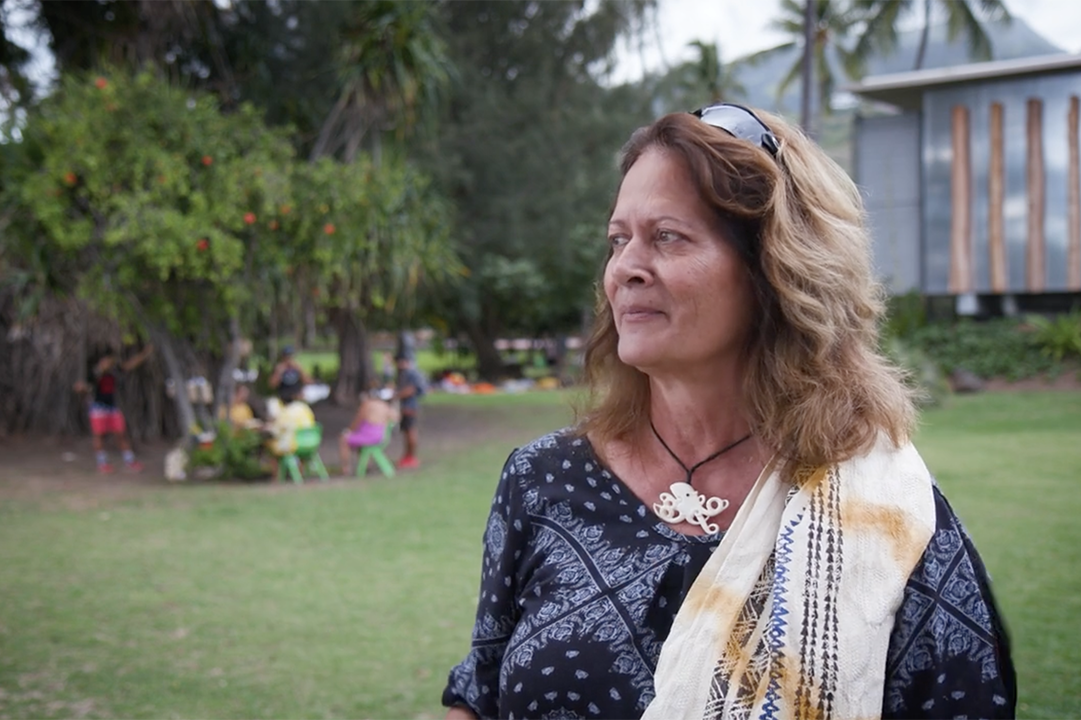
971, 179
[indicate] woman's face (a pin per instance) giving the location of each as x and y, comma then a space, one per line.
681, 296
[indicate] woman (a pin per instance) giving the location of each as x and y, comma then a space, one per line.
738, 526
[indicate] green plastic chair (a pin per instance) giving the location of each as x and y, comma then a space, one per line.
377, 453
308, 441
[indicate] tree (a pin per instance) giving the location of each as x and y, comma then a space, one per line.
377, 237
882, 18
140, 198
526, 152
709, 75
191, 226
391, 63
834, 24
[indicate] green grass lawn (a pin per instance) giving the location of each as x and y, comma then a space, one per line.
428, 361
353, 599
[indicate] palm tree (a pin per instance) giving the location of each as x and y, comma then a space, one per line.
710, 75
392, 63
883, 16
834, 23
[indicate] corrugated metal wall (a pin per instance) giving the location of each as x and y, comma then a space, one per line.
887, 169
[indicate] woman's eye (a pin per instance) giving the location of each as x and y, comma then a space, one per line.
617, 240
666, 236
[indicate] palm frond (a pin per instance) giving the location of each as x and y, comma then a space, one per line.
960, 19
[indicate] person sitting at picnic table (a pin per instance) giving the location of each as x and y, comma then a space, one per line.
294, 414
239, 413
369, 426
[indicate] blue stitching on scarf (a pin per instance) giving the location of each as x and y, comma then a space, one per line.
777, 622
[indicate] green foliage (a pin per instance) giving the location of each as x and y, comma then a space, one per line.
990, 348
922, 373
138, 195
1058, 338
392, 64
527, 148
233, 454
905, 314
130, 192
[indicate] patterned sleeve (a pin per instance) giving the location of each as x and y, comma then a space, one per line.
949, 653
474, 683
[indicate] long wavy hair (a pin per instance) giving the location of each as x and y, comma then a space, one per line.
817, 389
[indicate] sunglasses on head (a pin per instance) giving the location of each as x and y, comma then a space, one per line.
739, 122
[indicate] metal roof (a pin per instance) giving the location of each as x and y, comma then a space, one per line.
905, 89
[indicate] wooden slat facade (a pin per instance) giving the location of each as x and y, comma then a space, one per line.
1073, 198
1035, 252
996, 195
961, 204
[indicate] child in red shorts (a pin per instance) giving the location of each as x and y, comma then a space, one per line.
105, 416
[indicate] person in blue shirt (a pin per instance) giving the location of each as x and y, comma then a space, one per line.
410, 388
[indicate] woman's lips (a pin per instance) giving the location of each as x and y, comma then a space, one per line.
638, 313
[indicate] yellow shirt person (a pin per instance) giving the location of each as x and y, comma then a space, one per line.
292, 417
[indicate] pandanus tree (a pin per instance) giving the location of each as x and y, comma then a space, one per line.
390, 65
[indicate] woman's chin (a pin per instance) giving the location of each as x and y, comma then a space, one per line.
640, 357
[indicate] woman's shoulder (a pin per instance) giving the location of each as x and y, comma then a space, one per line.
560, 450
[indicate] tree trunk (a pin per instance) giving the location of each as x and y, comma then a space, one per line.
311, 331
489, 363
185, 413
354, 369
807, 76
322, 143
924, 34
223, 395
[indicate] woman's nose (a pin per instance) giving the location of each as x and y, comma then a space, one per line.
632, 263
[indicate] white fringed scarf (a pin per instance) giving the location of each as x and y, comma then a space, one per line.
791, 616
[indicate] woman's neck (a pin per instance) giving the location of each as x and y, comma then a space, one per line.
694, 415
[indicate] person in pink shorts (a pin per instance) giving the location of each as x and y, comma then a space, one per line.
105, 415
368, 428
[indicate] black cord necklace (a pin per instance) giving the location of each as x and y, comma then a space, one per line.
684, 503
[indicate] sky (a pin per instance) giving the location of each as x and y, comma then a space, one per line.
740, 27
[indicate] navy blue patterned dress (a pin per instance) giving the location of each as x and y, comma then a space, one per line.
581, 582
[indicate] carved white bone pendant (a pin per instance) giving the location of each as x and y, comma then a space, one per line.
685, 504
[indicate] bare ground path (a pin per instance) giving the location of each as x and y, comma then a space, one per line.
61, 469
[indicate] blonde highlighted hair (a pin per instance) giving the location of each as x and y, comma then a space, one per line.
817, 390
